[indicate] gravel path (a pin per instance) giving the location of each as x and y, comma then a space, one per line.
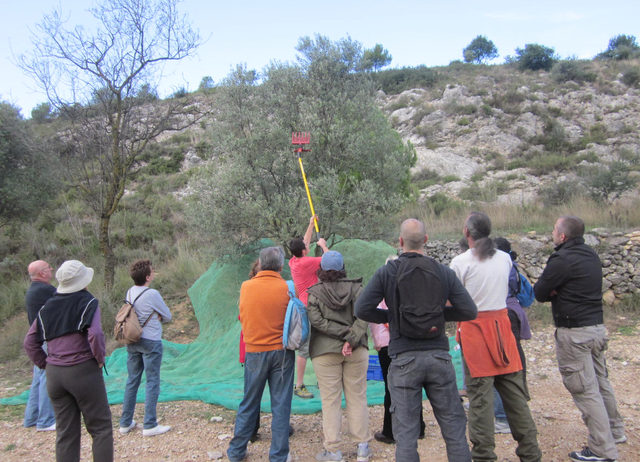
201, 431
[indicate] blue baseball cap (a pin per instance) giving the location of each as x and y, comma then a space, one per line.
332, 260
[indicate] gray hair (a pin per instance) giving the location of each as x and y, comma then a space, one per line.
271, 259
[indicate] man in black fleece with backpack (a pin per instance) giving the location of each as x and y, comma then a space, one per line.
418, 345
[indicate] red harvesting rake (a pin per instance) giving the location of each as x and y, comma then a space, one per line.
300, 139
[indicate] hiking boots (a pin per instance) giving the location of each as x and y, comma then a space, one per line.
302, 392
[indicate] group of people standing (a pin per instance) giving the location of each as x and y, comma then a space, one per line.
478, 292
66, 340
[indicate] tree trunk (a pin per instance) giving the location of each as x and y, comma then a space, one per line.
107, 253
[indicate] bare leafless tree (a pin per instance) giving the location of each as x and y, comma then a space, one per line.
99, 81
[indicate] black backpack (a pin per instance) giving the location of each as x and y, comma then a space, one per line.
419, 296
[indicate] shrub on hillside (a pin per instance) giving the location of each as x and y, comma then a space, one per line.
607, 183
535, 57
394, 81
440, 203
631, 76
572, 70
560, 192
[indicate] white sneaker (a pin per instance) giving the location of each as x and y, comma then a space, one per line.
621, 440
363, 453
50, 428
157, 430
502, 426
125, 430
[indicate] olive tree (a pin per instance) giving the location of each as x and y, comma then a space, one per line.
358, 168
94, 80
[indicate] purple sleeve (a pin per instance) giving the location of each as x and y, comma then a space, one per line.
33, 346
95, 336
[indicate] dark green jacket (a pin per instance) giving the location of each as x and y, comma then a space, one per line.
332, 317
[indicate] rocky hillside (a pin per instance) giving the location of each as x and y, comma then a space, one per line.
494, 133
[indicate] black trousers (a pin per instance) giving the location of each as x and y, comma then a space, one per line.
79, 390
387, 426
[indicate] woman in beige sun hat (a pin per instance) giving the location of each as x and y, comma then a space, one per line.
70, 324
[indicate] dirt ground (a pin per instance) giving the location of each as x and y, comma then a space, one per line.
201, 431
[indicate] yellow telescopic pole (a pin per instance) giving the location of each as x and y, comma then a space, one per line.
306, 187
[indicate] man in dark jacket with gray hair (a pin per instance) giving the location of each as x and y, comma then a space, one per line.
572, 281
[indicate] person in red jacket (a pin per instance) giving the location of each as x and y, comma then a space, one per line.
304, 274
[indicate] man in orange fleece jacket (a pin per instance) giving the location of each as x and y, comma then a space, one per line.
263, 304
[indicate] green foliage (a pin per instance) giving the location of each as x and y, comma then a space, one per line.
358, 169
480, 50
13, 333
486, 193
12, 296
394, 81
572, 70
508, 101
559, 192
440, 203
42, 113
206, 84
543, 163
375, 58
631, 76
181, 92
535, 57
26, 177
162, 159
146, 93
608, 182
621, 47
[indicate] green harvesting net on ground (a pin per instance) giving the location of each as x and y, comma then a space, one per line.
208, 369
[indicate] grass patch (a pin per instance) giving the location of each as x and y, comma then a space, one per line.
627, 330
522, 218
13, 332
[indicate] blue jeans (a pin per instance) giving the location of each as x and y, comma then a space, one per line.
498, 407
276, 368
144, 355
39, 411
432, 370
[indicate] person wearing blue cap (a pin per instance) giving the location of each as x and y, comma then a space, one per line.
340, 356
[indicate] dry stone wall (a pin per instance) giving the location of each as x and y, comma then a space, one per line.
619, 253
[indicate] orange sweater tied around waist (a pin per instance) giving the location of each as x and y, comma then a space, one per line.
488, 344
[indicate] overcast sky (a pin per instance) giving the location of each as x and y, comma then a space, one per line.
414, 32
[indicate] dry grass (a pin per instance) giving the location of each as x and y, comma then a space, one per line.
530, 217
